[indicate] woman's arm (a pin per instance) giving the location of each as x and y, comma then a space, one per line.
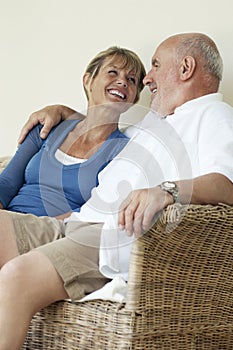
48, 117
12, 177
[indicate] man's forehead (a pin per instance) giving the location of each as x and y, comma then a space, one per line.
164, 50
155, 58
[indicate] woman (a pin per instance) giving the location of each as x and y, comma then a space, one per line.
56, 176
40, 262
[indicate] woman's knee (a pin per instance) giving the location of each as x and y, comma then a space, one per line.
15, 270
13, 285
23, 272
31, 277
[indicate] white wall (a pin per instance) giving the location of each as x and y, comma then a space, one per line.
46, 44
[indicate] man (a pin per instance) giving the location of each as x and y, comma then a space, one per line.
195, 129
180, 73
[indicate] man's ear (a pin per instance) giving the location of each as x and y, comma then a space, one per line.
187, 67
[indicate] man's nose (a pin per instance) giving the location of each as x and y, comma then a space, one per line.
147, 79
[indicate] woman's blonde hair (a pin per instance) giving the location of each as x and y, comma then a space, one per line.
130, 60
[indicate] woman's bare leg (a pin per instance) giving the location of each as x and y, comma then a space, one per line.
8, 247
27, 284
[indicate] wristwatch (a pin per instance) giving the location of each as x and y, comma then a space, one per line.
172, 188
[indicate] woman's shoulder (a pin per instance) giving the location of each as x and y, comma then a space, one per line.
63, 127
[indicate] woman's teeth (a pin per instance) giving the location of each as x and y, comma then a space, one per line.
117, 93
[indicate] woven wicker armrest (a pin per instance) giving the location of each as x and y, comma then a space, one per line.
181, 270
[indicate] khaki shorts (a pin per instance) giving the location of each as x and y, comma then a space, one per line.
73, 249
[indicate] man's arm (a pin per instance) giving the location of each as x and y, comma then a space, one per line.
137, 212
48, 117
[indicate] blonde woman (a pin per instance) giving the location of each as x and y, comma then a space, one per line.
55, 176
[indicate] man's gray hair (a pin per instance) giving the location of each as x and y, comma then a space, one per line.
198, 44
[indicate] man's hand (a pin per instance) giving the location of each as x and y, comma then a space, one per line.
137, 212
48, 117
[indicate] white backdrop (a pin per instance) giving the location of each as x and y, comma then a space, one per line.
46, 45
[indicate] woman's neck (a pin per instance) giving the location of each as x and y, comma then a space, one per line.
100, 122
90, 133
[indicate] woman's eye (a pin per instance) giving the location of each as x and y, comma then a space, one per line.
132, 79
112, 71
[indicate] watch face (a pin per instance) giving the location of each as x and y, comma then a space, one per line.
171, 188
169, 185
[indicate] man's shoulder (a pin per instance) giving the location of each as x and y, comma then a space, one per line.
219, 109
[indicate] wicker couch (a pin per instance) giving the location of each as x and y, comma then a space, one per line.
180, 292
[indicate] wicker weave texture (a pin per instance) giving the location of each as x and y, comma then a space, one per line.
181, 279
89, 325
179, 296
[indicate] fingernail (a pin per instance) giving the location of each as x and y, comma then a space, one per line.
43, 135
